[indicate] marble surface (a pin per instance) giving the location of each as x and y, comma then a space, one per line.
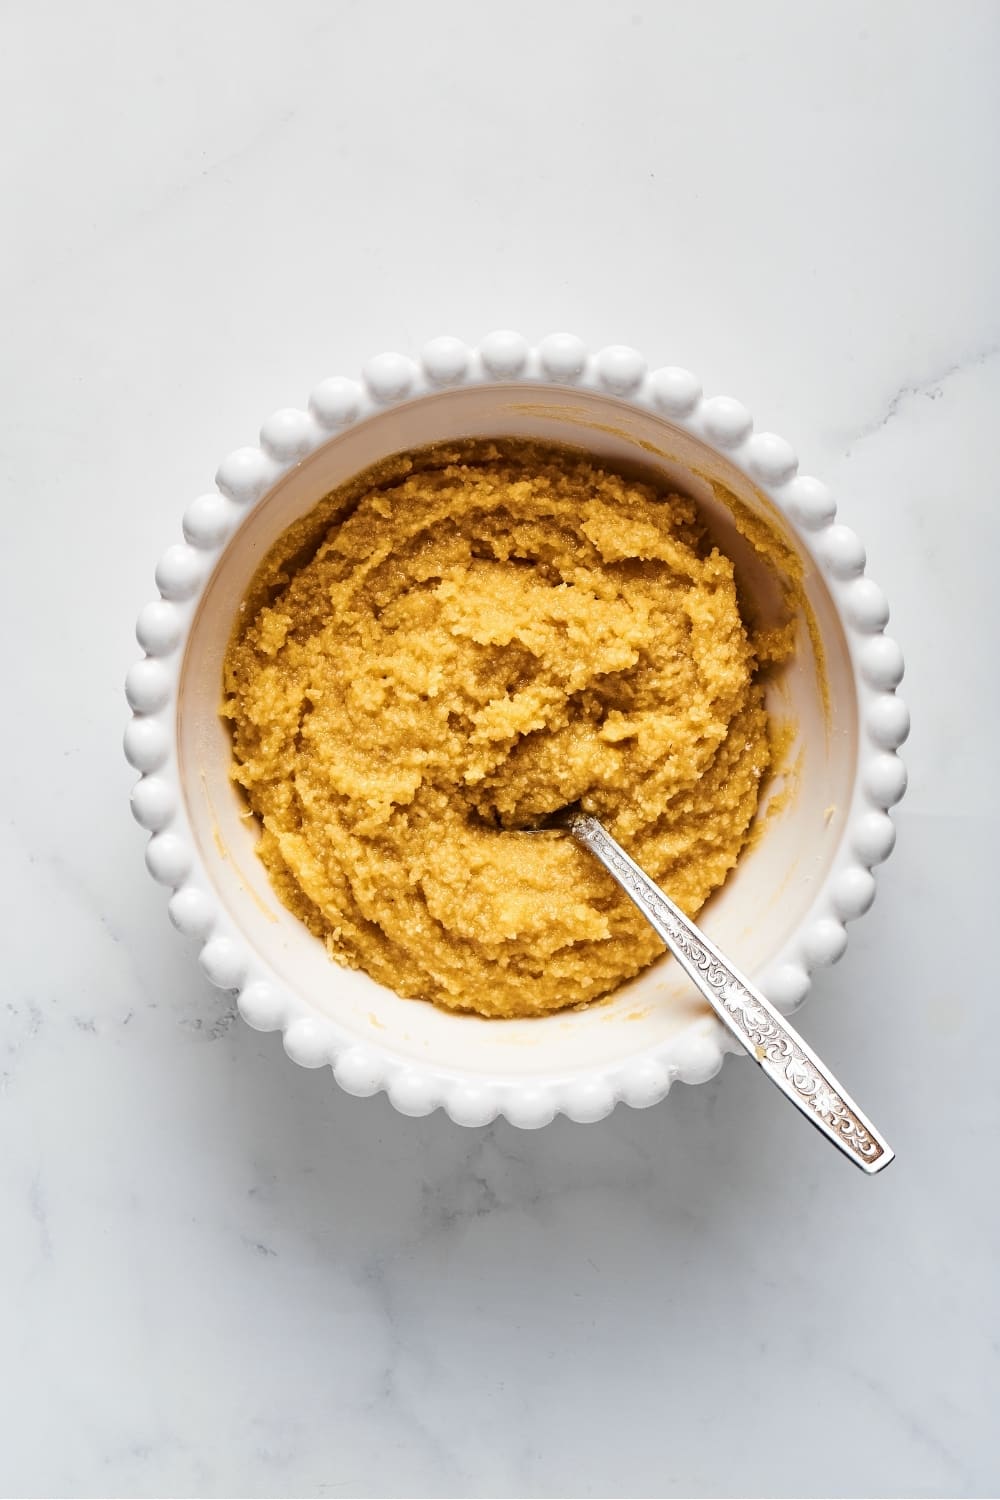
220, 1275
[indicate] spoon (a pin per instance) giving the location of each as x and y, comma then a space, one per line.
753, 1020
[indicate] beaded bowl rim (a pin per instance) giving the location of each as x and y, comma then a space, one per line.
248, 474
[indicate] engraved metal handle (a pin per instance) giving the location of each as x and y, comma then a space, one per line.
753, 1020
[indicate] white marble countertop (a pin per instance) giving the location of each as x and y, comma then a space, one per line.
220, 1275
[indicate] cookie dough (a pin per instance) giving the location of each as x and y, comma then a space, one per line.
451, 649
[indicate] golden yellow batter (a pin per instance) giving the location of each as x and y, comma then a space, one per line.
459, 645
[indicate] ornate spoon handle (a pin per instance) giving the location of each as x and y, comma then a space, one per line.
752, 1019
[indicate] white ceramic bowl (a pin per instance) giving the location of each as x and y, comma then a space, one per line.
782, 911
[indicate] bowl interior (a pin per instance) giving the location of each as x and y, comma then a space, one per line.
765, 898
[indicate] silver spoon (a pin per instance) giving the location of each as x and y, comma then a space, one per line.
753, 1020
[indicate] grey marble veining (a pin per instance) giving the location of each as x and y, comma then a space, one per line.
220, 1275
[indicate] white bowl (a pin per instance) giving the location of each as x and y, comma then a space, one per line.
781, 912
